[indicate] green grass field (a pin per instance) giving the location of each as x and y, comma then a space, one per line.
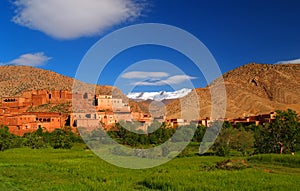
79, 169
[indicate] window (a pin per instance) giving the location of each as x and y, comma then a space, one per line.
85, 96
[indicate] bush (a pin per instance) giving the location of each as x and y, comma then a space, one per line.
236, 164
238, 139
34, 140
6, 139
61, 139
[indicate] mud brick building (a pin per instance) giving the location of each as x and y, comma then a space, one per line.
85, 110
14, 111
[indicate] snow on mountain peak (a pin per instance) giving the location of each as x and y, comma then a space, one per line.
158, 96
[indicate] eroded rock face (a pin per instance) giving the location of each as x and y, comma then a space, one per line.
253, 89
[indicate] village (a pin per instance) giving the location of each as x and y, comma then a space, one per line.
89, 111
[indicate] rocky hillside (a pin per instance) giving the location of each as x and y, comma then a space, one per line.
252, 89
16, 79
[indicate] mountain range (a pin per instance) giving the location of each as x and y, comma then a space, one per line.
250, 89
159, 96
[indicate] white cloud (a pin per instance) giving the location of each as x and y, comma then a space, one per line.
143, 75
68, 19
178, 79
296, 61
36, 59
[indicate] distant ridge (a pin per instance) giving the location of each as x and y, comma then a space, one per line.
252, 89
16, 79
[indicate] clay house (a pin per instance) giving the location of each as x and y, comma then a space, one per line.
177, 122
266, 118
86, 120
160, 119
50, 121
19, 124
204, 122
107, 119
254, 120
13, 105
14, 111
141, 117
107, 102
122, 115
40, 97
83, 103
246, 121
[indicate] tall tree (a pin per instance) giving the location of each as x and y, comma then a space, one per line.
280, 135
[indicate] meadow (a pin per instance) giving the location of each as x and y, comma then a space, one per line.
80, 169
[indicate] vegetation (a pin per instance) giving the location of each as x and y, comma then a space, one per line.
58, 139
79, 169
126, 134
237, 139
58, 108
61, 161
279, 136
6, 139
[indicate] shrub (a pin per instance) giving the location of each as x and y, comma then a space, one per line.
61, 139
6, 139
238, 139
34, 140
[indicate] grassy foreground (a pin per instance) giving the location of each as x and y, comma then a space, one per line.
78, 169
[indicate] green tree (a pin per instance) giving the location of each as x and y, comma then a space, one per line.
223, 142
200, 131
6, 139
232, 138
61, 139
154, 126
34, 140
280, 136
227, 124
243, 141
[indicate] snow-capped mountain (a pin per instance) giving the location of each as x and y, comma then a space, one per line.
296, 61
158, 96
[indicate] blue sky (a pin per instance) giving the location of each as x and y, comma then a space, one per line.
55, 35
